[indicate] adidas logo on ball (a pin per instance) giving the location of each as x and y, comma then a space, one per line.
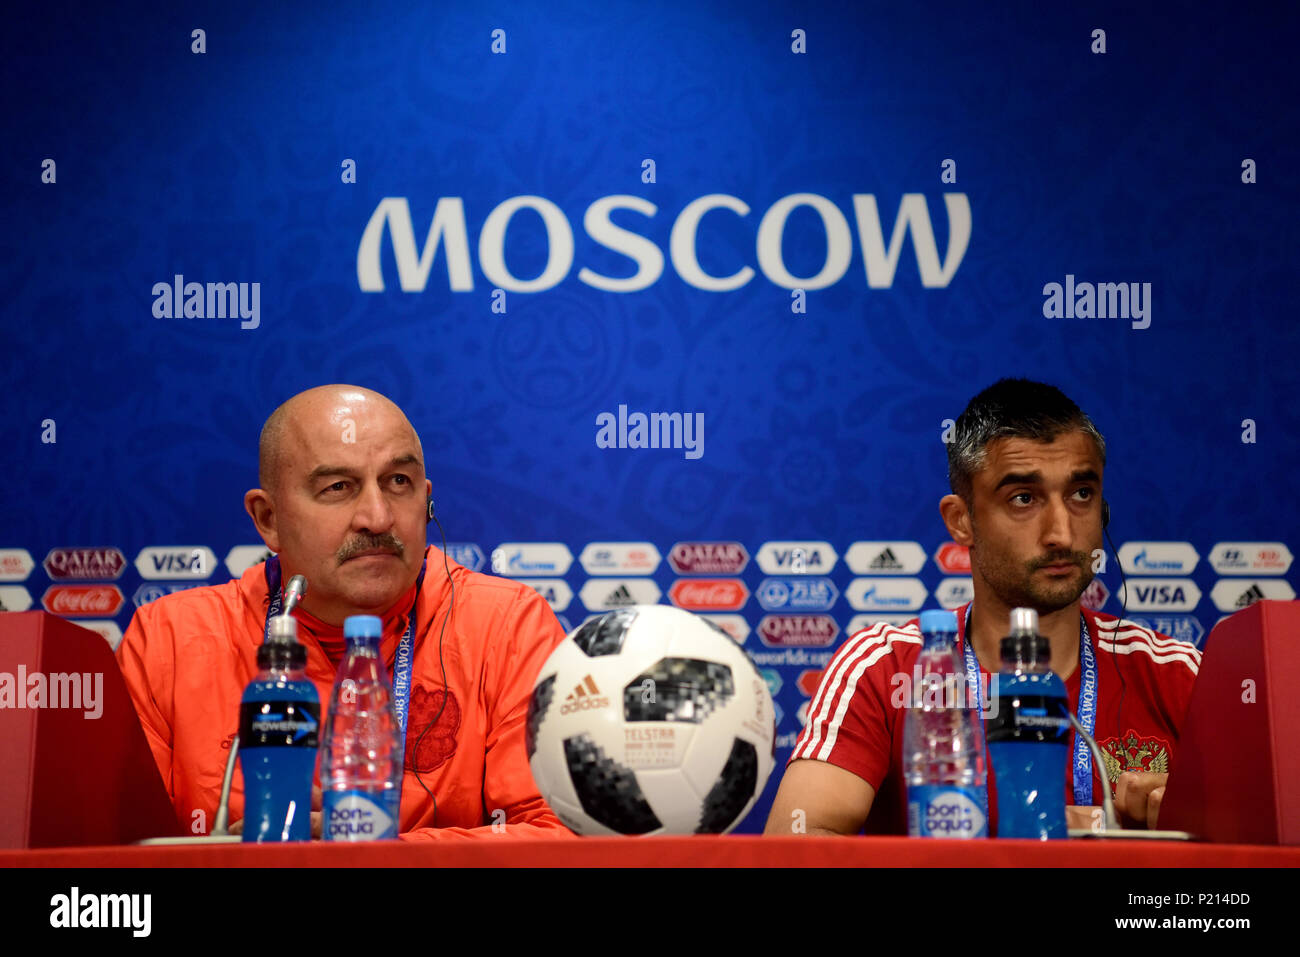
583, 697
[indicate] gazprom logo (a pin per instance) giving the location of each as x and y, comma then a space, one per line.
448, 233
1158, 558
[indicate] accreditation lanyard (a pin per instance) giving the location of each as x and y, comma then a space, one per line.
402, 663
1087, 703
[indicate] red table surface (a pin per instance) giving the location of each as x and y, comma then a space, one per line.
732, 851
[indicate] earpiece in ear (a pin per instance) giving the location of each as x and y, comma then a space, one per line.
1105, 512
429, 517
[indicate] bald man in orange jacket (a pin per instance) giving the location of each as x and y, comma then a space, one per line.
345, 502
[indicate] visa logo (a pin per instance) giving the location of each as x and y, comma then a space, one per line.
789, 557
188, 562
1160, 595
175, 561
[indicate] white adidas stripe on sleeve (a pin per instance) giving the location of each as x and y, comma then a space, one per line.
839, 683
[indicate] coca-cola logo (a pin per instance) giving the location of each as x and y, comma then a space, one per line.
63, 563
99, 600
708, 558
800, 631
953, 559
808, 681
709, 594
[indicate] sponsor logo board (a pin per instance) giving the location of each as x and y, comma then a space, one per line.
175, 562
709, 594
1234, 594
15, 598
796, 558
1250, 558
797, 594
15, 564
808, 681
1158, 558
1162, 594
63, 564
797, 631
620, 558
521, 559
886, 594
885, 558
1095, 595
606, 594
243, 557
954, 592
953, 559
708, 558
74, 600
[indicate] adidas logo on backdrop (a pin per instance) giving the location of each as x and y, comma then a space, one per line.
886, 562
1251, 595
620, 597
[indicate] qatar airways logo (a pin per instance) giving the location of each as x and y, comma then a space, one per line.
448, 236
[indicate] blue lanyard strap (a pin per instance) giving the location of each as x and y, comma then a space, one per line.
1087, 709
402, 663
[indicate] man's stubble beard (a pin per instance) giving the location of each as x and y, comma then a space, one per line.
1013, 580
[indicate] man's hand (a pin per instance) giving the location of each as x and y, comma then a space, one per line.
1087, 818
1138, 796
317, 818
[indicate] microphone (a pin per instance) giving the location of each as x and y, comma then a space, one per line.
293, 593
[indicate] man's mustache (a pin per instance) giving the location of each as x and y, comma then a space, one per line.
1065, 558
389, 543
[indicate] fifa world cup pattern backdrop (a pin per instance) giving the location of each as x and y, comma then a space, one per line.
680, 300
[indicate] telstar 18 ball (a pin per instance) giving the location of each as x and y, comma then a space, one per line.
650, 720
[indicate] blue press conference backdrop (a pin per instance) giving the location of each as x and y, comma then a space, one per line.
765, 156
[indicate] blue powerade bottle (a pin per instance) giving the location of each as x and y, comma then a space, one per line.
1028, 734
279, 724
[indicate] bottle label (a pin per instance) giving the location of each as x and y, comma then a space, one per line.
1029, 718
358, 816
279, 724
943, 810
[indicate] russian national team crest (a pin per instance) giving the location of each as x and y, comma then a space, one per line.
1133, 753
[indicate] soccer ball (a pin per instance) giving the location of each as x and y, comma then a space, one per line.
650, 720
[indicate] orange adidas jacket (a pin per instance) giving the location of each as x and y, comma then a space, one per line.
188, 656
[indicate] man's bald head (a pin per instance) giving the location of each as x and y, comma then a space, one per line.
343, 499
296, 415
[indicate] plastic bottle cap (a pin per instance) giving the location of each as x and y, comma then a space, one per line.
362, 626
1024, 621
284, 628
936, 619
